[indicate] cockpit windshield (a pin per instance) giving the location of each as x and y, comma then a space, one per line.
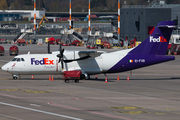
18, 59
14, 59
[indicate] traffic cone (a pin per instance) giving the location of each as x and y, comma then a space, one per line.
32, 77
128, 78
175, 53
96, 77
49, 77
106, 81
52, 78
118, 78
77, 45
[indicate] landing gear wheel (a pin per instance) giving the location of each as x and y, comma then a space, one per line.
87, 77
66, 81
15, 78
76, 81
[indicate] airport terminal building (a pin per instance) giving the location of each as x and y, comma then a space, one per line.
17, 15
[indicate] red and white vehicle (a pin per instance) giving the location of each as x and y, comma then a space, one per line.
174, 45
1, 50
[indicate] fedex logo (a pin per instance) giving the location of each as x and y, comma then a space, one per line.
160, 39
44, 61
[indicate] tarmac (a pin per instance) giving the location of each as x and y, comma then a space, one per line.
152, 93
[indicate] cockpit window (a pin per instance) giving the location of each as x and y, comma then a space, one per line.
14, 59
18, 59
22, 59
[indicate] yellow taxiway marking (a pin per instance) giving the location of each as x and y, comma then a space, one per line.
127, 108
133, 112
63, 90
4, 78
36, 92
9, 89
26, 91
170, 109
160, 113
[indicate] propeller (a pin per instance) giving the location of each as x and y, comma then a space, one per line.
60, 56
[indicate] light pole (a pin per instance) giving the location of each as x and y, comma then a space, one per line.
119, 22
70, 14
34, 20
89, 19
149, 2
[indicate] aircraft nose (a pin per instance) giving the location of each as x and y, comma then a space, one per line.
4, 67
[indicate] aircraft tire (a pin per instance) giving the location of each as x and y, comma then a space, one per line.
66, 81
87, 77
76, 81
15, 78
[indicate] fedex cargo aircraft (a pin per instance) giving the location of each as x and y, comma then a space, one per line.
151, 51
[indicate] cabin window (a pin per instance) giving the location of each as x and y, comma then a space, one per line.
22, 59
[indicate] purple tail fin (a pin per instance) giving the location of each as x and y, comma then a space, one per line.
157, 43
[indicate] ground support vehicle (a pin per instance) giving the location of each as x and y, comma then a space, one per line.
100, 43
21, 42
76, 43
134, 43
57, 41
72, 75
51, 40
174, 45
13, 50
3, 41
1, 50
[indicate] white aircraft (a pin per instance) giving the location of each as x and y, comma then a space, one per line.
84, 63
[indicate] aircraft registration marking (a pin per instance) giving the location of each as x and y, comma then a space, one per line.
137, 61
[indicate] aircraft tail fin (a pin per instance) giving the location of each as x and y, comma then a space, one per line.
157, 43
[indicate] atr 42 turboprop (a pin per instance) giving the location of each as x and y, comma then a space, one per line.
151, 51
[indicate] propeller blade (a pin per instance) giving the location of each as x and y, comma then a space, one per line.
62, 65
62, 52
59, 60
60, 56
60, 47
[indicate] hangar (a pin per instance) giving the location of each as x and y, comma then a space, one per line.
138, 21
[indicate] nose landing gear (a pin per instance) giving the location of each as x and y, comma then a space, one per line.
15, 77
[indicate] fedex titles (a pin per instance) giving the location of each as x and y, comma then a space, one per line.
44, 61
160, 39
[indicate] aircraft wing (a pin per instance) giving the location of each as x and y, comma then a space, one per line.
82, 55
90, 53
